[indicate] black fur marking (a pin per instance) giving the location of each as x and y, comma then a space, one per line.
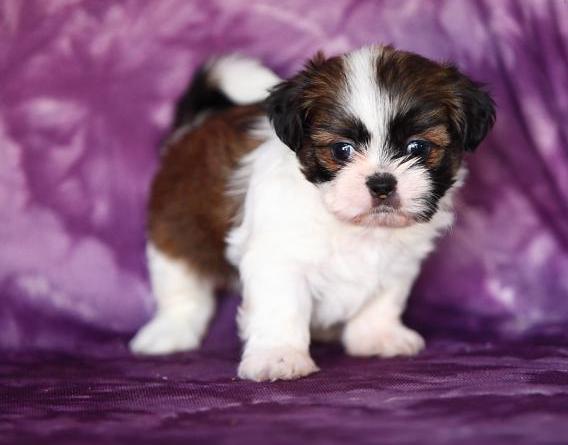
479, 111
434, 95
317, 173
442, 178
406, 124
347, 128
200, 96
283, 109
419, 119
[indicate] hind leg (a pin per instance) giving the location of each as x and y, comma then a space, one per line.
185, 305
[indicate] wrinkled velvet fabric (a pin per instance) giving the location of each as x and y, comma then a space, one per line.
457, 392
87, 89
87, 92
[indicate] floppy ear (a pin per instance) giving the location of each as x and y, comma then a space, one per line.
283, 107
478, 110
287, 108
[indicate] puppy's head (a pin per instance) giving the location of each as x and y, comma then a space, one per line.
381, 132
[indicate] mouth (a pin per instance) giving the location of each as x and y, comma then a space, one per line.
384, 216
382, 209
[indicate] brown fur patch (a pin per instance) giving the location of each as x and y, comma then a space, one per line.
438, 135
437, 93
440, 139
433, 108
435, 156
189, 210
309, 114
318, 85
327, 160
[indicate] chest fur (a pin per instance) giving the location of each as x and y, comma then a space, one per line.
356, 265
342, 265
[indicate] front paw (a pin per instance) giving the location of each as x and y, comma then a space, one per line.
165, 334
391, 340
280, 363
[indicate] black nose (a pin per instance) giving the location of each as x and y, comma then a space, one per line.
381, 185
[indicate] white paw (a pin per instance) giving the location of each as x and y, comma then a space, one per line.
391, 340
281, 363
166, 333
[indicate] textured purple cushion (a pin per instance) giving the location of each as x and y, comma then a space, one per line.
454, 393
86, 94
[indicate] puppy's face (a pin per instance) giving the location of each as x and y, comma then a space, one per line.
380, 131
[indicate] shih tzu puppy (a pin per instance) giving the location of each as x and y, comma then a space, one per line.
323, 193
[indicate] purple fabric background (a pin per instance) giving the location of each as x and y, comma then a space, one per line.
451, 394
87, 89
86, 95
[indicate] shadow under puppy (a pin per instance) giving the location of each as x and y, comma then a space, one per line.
324, 192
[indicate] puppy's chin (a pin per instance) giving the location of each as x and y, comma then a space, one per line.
384, 217
359, 210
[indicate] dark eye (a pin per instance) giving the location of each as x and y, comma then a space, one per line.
418, 148
342, 151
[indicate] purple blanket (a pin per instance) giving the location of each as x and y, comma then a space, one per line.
87, 89
451, 394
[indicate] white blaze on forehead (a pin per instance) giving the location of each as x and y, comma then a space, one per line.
366, 100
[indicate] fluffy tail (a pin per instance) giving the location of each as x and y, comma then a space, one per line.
223, 82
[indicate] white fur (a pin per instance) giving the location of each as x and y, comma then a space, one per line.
366, 100
242, 79
303, 268
349, 199
348, 196
185, 300
185, 306
304, 265
312, 258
